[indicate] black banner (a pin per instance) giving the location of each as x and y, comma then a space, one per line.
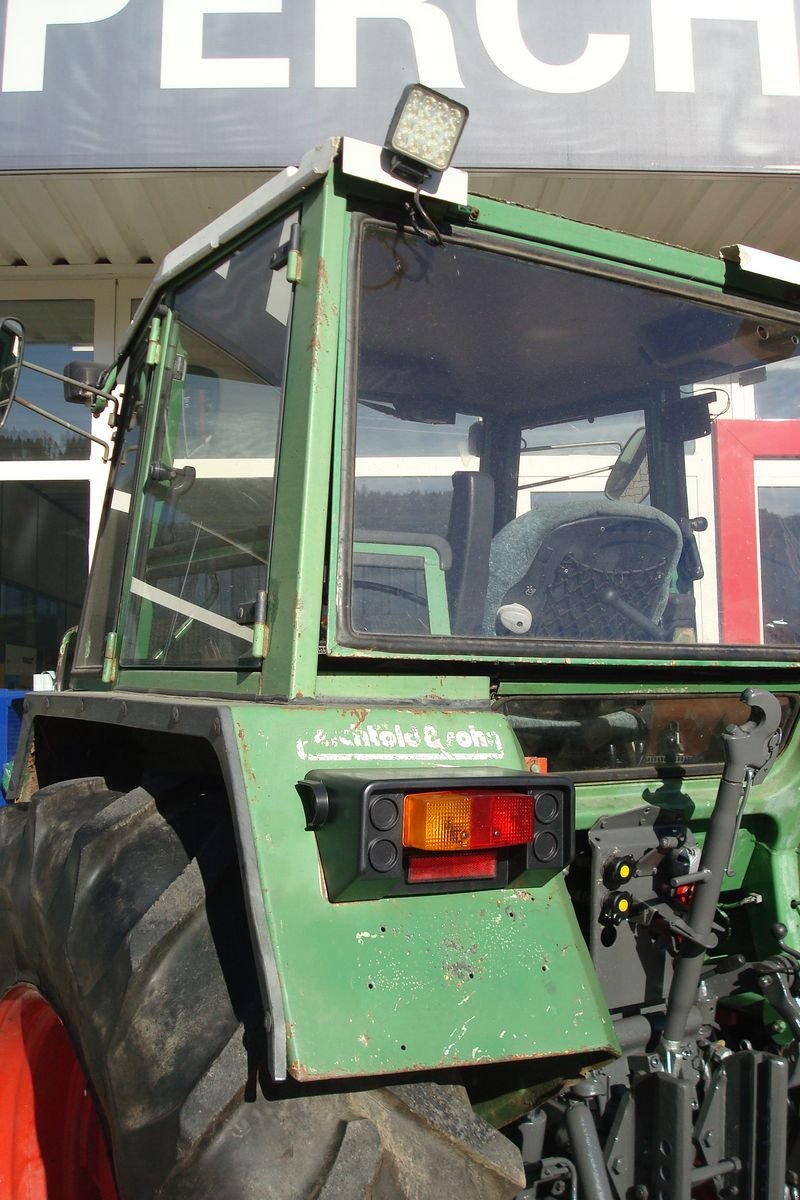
691, 85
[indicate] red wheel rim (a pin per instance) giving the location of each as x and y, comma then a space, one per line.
51, 1142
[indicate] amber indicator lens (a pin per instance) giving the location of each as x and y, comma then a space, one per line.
467, 820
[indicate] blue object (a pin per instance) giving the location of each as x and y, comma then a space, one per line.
10, 725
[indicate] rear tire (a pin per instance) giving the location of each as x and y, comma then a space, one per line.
126, 913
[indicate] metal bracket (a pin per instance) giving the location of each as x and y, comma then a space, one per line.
551, 1171
754, 745
153, 352
288, 255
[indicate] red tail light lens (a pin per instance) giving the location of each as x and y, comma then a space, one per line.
430, 868
467, 820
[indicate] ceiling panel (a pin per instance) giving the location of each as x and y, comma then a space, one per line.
128, 218
122, 218
702, 212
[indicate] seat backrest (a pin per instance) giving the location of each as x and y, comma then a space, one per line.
469, 535
587, 569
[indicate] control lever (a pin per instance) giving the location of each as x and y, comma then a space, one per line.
690, 566
779, 931
750, 750
611, 597
775, 988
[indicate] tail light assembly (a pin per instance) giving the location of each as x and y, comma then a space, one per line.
417, 835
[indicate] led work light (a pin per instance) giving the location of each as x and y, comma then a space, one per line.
424, 133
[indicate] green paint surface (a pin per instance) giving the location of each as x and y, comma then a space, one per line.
417, 981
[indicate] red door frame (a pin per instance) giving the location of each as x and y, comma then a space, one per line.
737, 444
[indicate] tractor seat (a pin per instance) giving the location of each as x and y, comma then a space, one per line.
589, 569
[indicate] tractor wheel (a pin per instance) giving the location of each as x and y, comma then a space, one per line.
130, 1003
51, 1141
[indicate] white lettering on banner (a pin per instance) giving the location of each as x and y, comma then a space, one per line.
26, 35
498, 24
335, 40
673, 59
337, 24
182, 61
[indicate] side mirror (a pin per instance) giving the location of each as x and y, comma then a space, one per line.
632, 460
78, 375
12, 343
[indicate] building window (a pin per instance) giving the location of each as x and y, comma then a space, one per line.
56, 332
50, 478
44, 528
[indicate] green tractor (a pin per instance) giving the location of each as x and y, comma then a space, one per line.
416, 814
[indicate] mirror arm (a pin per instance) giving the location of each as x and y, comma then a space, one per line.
42, 412
110, 400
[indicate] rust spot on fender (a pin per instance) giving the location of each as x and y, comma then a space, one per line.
29, 779
360, 715
245, 750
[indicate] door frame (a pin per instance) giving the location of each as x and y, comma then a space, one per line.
737, 446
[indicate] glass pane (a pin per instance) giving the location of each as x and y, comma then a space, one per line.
653, 735
779, 537
572, 458
571, 449
102, 599
776, 390
396, 502
203, 554
56, 332
44, 531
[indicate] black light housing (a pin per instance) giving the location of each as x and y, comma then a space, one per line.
358, 820
424, 133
